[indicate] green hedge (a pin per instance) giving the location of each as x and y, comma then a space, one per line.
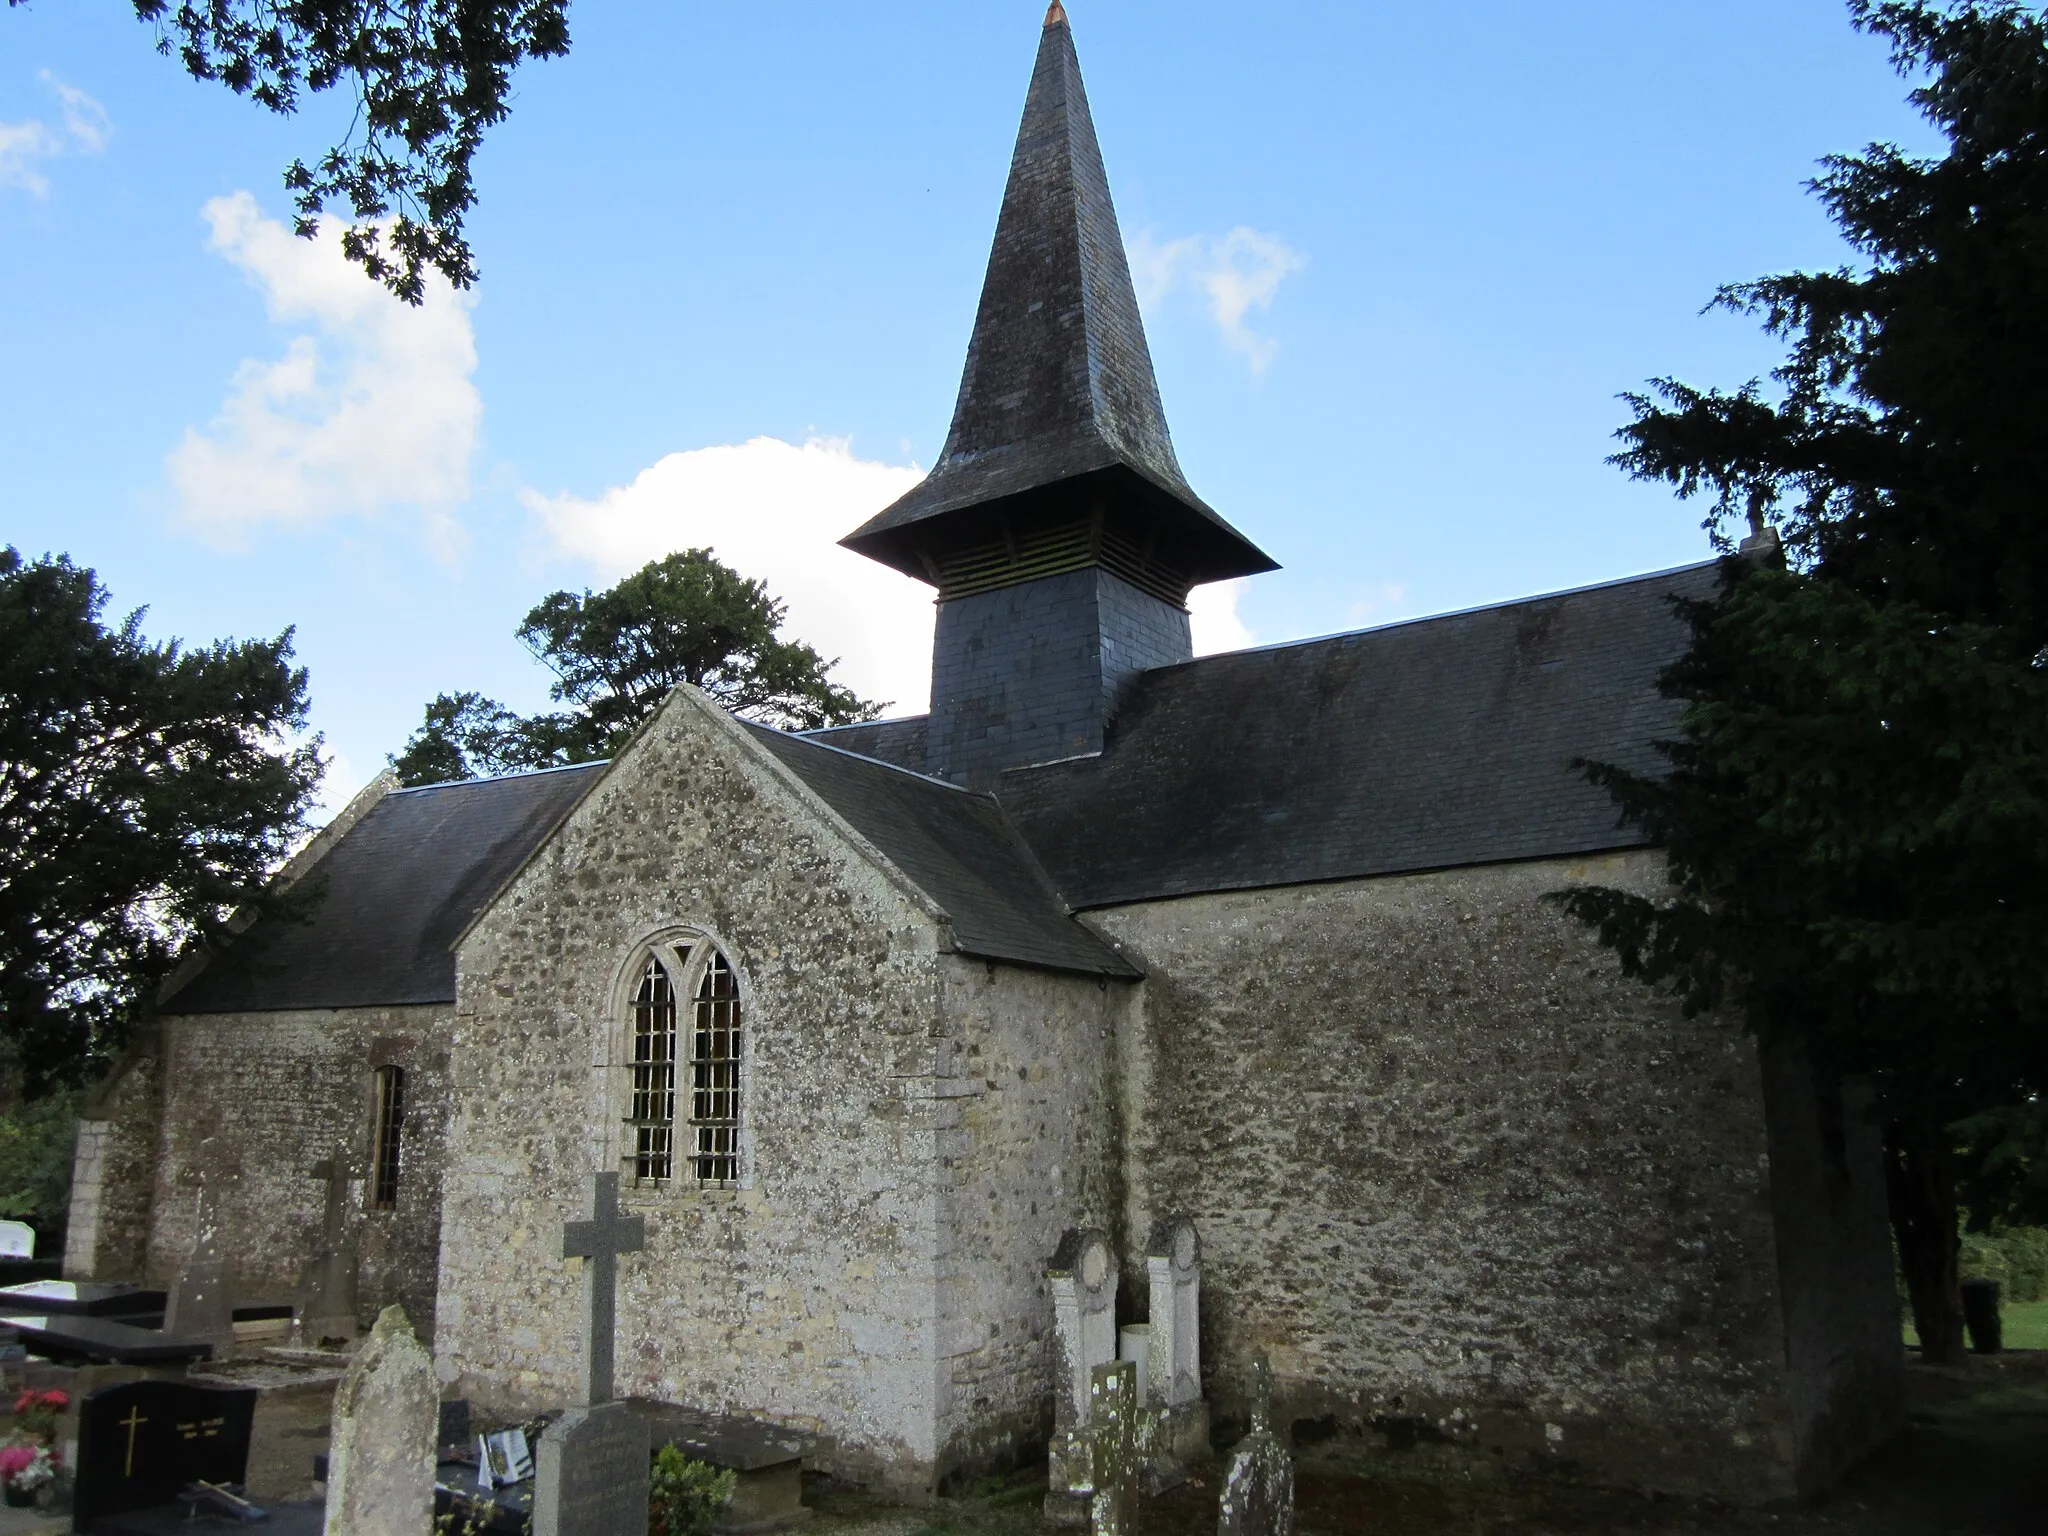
2016, 1257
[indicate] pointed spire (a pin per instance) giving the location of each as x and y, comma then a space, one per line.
1058, 398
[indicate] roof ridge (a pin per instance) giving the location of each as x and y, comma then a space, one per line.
826, 746
499, 778
1432, 618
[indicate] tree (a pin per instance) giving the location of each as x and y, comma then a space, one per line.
688, 618
147, 793
1856, 810
428, 78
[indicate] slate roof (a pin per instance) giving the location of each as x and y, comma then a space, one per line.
1428, 745
959, 848
399, 887
1059, 382
899, 741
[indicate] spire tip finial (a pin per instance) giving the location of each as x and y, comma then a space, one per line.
1055, 14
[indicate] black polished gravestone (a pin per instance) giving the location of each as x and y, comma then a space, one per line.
141, 1442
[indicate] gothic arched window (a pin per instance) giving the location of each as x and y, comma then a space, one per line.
685, 1023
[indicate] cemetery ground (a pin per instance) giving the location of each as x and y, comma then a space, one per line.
1973, 1462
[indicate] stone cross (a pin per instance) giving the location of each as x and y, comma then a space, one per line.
380, 1454
601, 1240
1258, 1488
199, 1306
327, 1300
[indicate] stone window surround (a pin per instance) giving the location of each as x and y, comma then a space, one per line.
662, 944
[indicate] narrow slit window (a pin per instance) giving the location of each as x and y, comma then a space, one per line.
654, 1075
715, 1075
387, 1138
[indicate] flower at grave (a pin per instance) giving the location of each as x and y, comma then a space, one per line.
25, 1465
35, 1414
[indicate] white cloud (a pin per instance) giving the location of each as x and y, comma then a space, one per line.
1238, 276
85, 120
371, 406
24, 145
774, 511
1212, 615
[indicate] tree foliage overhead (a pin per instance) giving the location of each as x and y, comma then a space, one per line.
147, 793
687, 618
1857, 808
428, 77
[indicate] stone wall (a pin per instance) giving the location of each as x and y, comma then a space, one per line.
255, 1100
809, 1294
1469, 1187
113, 1169
1034, 1147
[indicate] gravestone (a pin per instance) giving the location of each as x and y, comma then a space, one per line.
380, 1457
199, 1306
17, 1240
1082, 1276
1258, 1488
1112, 1448
326, 1304
140, 1442
592, 1478
1173, 1346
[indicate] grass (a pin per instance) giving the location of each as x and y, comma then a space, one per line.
2026, 1325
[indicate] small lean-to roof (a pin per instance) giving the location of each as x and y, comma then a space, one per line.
959, 849
396, 890
1428, 745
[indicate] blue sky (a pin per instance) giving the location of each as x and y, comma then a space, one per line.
1396, 262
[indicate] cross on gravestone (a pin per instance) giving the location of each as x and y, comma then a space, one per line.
600, 1241
1258, 1486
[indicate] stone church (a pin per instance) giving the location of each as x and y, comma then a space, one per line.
868, 1018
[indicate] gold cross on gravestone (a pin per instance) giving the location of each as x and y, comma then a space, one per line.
134, 1421
601, 1240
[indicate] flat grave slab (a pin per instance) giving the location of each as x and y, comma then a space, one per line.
80, 1298
78, 1340
300, 1517
768, 1494
490, 1512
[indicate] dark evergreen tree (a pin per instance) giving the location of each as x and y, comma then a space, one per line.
688, 618
1857, 808
147, 793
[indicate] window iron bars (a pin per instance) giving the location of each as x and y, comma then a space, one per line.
715, 1075
387, 1137
654, 1075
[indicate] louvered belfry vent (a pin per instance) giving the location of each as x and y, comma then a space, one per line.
1057, 473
